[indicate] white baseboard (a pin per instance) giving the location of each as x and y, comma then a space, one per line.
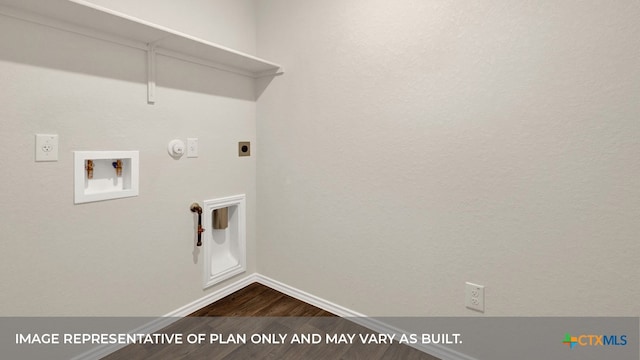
162, 322
438, 351
306, 297
213, 297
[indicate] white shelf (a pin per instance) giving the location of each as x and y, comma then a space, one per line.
88, 19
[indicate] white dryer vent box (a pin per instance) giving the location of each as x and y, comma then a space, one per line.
105, 175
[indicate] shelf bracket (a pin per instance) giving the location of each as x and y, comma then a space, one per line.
151, 73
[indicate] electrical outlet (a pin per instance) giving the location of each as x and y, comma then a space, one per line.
474, 297
46, 147
192, 147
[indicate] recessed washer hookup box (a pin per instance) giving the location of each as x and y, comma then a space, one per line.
105, 175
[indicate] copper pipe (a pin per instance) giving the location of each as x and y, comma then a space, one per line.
118, 165
89, 168
195, 208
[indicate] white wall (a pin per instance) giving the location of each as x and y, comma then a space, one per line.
409, 148
415, 145
132, 256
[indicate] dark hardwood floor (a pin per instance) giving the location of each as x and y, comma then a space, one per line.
259, 300
260, 311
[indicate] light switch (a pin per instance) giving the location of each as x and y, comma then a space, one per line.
192, 147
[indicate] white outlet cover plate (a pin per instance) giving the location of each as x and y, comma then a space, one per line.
474, 296
46, 147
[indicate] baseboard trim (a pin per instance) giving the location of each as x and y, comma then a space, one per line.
213, 297
438, 351
306, 297
168, 319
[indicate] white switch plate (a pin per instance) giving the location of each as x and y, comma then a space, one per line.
192, 147
46, 147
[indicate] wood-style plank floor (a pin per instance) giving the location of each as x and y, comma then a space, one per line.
259, 300
258, 309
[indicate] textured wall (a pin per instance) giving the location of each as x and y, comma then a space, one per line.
415, 145
131, 256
